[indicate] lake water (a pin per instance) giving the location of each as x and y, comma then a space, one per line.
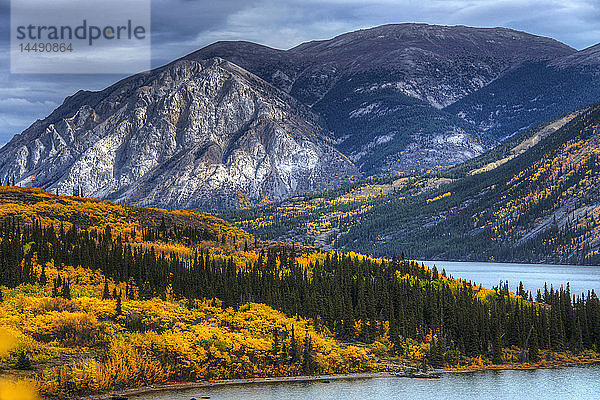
567, 383
580, 277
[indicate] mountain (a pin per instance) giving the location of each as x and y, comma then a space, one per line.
533, 93
191, 134
534, 198
381, 90
437, 64
237, 124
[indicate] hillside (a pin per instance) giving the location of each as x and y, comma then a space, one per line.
32, 204
86, 307
534, 198
531, 94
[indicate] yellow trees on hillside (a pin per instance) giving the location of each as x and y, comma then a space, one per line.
156, 341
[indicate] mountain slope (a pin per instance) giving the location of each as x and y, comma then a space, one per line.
190, 134
542, 205
535, 198
533, 93
437, 64
380, 89
383, 131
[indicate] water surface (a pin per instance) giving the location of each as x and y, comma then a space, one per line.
580, 277
579, 383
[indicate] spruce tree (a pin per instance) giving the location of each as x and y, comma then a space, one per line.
43, 278
105, 293
119, 311
534, 352
497, 347
293, 346
275, 346
55, 287
307, 354
66, 290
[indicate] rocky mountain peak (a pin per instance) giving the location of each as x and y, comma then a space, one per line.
190, 134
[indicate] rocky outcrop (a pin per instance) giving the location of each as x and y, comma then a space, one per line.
362, 84
192, 134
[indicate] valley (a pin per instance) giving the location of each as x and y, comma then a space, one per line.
531, 199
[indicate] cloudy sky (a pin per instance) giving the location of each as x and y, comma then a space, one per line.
181, 26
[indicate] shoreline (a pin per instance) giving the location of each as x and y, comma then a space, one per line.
322, 378
519, 367
241, 381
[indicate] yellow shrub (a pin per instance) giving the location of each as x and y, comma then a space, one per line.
69, 328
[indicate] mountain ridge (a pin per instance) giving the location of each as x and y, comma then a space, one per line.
233, 130
264, 124
376, 68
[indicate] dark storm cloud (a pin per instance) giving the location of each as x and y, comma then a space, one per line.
182, 26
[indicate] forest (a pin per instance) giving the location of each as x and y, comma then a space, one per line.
170, 301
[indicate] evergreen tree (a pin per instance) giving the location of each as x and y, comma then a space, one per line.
23, 363
307, 354
275, 347
497, 357
293, 346
66, 290
105, 293
119, 311
436, 353
55, 287
43, 278
534, 353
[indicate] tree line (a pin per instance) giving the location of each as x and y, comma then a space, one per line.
355, 297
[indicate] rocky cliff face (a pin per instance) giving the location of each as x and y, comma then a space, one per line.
191, 134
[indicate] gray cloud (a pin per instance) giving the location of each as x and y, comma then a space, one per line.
182, 26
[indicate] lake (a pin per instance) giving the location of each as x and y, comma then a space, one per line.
581, 277
566, 383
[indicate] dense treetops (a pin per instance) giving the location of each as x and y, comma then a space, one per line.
33, 204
